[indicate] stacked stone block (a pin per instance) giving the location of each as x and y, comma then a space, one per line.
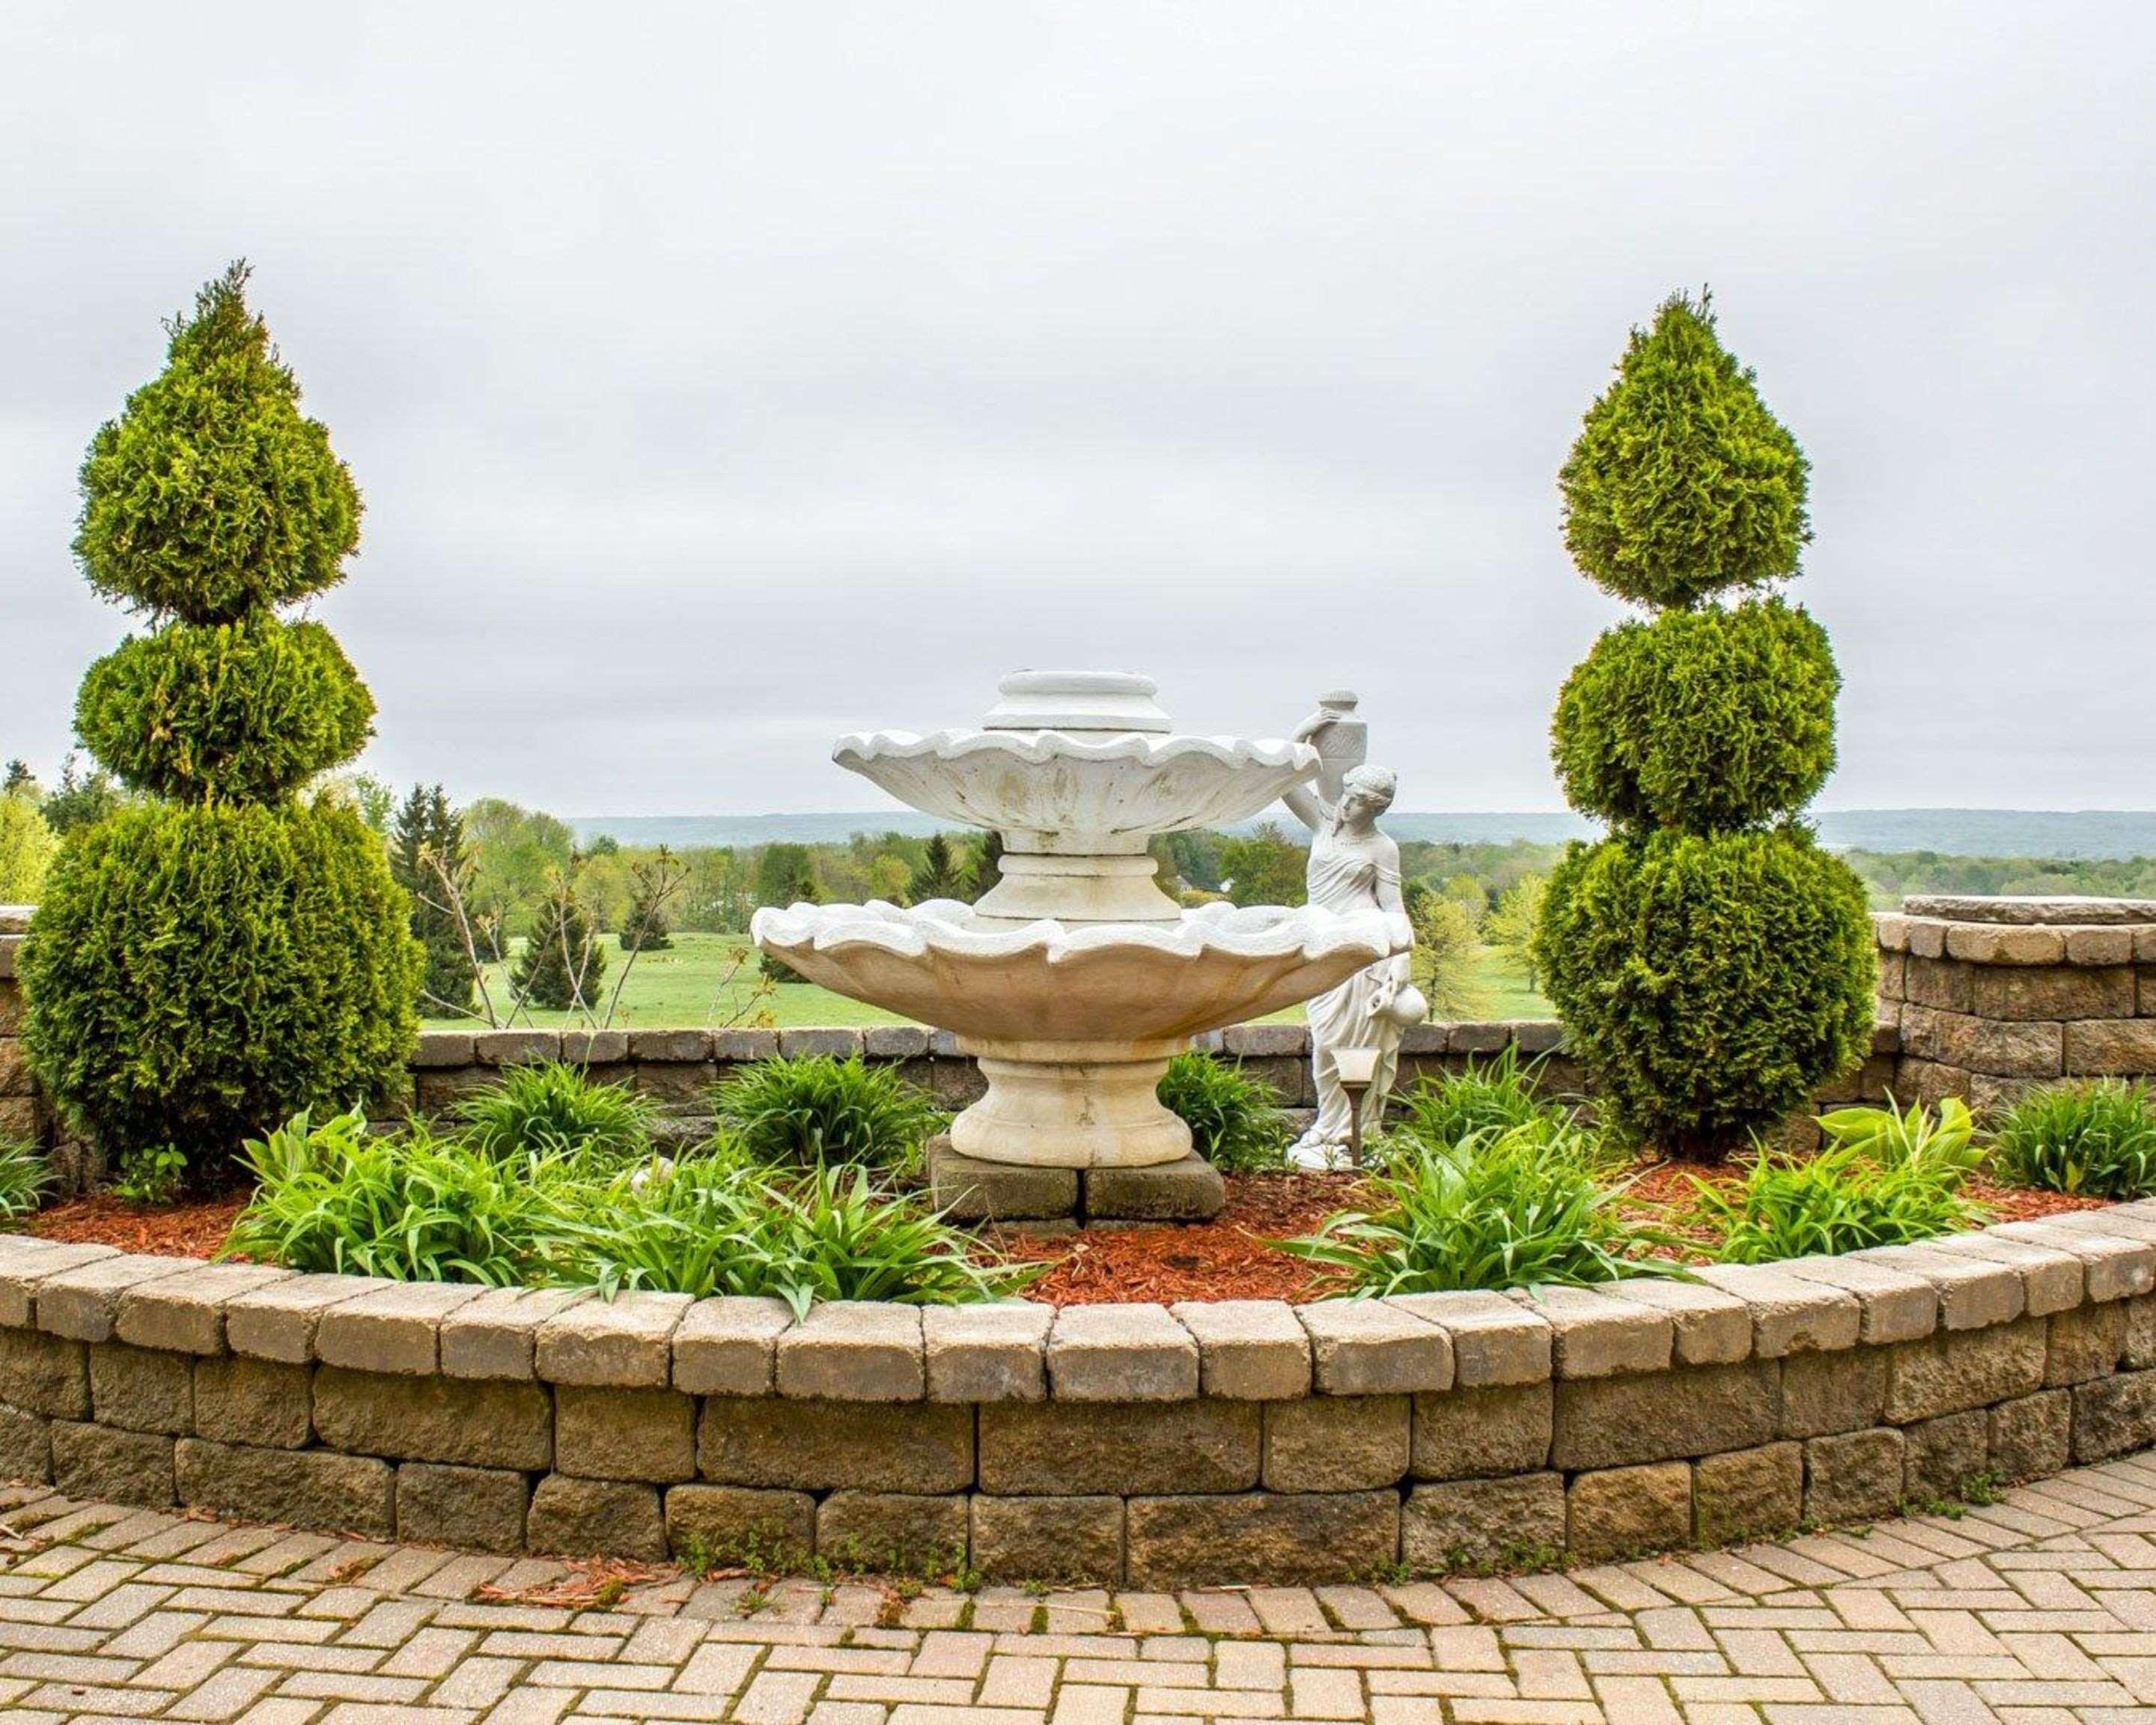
1993, 996
1141, 1445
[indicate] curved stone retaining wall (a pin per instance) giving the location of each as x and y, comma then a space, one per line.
1141, 1444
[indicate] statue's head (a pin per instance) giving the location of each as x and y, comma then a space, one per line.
1368, 790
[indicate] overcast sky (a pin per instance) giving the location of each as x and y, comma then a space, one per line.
723, 377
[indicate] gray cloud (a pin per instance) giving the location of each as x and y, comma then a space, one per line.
721, 377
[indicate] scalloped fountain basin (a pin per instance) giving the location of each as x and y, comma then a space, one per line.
1073, 1024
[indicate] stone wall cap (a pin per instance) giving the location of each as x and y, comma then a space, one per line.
497, 1334
1789, 1315
1248, 1350
728, 1346
1893, 1305
392, 1329
854, 1350
2114, 1266
624, 1342
2015, 908
1974, 1293
1596, 1335
507, 1048
26, 1261
991, 1353
82, 1303
1376, 1347
278, 1321
1495, 1339
1711, 1327
185, 1313
1136, 1352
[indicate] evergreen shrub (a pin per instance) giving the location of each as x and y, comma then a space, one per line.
1713, 966
194, 972
202, 966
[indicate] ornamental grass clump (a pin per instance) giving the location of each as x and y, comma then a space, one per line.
1520, 1207
818, 1109
2094, 1140
1489, 1096
1714, 966
1883, 1177
231, 953
551, 1108
1236, 1121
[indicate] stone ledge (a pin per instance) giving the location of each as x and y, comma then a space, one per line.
1413, 1344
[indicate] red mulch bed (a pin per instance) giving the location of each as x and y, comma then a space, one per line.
1229, 1258
194, 1230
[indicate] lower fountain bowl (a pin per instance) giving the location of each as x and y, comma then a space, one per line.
1074, 1024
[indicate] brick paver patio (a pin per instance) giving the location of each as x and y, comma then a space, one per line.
2042, 1608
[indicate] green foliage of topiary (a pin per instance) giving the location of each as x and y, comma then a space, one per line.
213, 495
202, 966
1712, 965
1709, 984
1707, 721
1683, 483
244, 711
194, 972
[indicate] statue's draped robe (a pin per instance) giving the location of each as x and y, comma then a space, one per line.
1344, 876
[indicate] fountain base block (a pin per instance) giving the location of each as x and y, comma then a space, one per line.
1190, 1189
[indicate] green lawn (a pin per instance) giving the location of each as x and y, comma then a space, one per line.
704, 979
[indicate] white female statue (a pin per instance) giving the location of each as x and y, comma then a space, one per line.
1353, 867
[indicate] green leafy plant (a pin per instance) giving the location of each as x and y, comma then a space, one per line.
551, 1108
332, 1198
202, 965
2098, 1140
25, 1177
1489, 1098
718, 1226
1513, 1208
151, 1175
1885, 1177
1714, 966
1236, 1121
818, 1109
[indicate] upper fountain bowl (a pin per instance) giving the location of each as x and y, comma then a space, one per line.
1078, 763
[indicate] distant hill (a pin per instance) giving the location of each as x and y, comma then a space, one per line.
1951, 832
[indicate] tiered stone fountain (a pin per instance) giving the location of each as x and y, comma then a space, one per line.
1075, 979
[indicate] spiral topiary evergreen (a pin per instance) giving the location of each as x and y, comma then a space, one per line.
1713, 966
203, 965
